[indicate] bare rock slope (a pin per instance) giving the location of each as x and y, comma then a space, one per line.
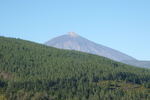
72, 41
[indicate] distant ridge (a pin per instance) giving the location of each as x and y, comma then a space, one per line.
138, 63
73, 41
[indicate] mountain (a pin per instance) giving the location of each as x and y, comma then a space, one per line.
72, 41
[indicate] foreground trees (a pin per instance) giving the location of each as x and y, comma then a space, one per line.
31, 71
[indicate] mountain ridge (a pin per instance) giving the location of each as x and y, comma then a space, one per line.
138, 63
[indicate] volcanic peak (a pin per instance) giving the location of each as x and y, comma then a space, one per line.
72, 34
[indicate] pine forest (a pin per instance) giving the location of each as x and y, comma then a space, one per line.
32, 71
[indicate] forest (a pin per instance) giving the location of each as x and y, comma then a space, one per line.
32, 71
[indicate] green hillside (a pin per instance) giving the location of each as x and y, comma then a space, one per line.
31, 71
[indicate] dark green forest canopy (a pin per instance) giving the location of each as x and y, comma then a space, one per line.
37, 71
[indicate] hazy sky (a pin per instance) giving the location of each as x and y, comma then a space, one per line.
123, 25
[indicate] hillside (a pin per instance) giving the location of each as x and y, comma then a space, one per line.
31, 71
72, 41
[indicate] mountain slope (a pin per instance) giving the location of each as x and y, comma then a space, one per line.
31, 71
72, 41
145, 64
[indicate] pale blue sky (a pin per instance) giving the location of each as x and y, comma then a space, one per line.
123, 25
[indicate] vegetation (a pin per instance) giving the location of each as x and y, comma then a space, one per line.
31, 71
